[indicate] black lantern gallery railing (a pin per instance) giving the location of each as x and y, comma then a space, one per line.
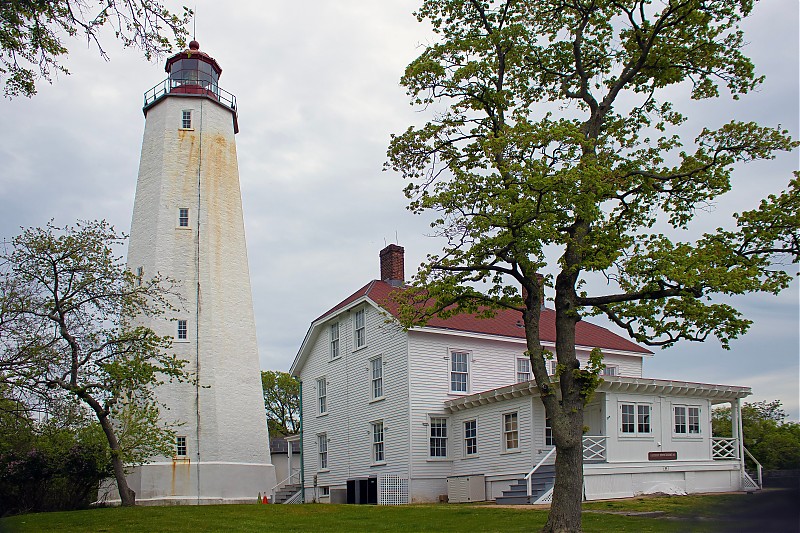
174, 85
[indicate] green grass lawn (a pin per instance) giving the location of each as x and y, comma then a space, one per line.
321, 518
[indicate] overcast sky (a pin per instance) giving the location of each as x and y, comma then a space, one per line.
318, 94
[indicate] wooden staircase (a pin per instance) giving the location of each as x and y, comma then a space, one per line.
541, 481
286, 492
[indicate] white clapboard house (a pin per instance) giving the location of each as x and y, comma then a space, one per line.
450, 409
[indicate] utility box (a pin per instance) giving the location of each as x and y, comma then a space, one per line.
362, 490
462, 489
338, 495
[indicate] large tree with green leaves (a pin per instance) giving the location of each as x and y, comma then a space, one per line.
553, 150
68, 328
32, 34
282, 402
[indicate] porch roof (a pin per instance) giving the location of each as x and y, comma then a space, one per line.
716, 393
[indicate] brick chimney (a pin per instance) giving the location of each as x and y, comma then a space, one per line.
392, 267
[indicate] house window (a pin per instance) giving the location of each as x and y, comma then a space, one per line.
377, 377
611, 370
324, 492
510, 431
182, 330
183, 217
139, 276
687, 420
322, 450
334, 340
551, 365
438, 442
322, 396
459, 371
523, 369
186, 119
635, 419
360, 333
180, 446
377, 442
548, 433
471, 437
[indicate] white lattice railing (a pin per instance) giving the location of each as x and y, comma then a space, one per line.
594, 448
724, 448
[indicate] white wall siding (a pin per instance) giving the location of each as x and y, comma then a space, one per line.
350, 408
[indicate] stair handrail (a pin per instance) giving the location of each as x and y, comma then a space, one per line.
535, 468
759, 468
292, 472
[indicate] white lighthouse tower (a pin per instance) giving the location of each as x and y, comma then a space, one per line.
187, 225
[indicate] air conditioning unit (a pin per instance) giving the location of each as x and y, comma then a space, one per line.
462, 489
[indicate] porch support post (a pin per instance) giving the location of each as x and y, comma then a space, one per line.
289, 459
740, 433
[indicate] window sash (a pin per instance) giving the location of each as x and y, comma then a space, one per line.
186, 119
628, 418
643, 419
511, 431
548, 433
438, 437
694, 420
377, 442
470, 437
523, 370
180, 446
377, 377
360, 338
459, 371
183, 329
322, 448
322, 395
334, 333
680, 419
183, 217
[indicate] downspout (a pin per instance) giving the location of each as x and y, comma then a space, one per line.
302, 456
197, 300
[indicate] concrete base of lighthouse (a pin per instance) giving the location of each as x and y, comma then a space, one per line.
181, 482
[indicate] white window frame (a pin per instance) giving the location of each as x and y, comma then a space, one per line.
322, 396
322, 451
335, 351
187, 119
376, 378
611, 370
639, 409
139, 276
510, 433
551, 366
182, 333
180, 442
691, 421
182, 218
454, 372
471, 438
324, 492
360, 329
378, 442
521, 372
438, 442
549, 440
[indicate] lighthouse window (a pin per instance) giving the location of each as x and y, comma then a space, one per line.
182, 330
180, 446
186, 121
183, 217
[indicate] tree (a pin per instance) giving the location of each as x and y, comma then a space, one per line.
31, 33
68, 329
767, 435
551, 151
282, 402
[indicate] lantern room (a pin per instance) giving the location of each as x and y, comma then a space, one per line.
193, 72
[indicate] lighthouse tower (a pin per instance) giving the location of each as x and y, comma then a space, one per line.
188, 226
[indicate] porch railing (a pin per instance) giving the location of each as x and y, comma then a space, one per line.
293, 473
535, 468
594, 448
724, 448
759, 469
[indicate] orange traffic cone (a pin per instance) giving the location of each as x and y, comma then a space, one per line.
266, 500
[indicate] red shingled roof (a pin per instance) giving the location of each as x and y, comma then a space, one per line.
506, 323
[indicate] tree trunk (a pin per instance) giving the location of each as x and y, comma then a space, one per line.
565, 512
126, 494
